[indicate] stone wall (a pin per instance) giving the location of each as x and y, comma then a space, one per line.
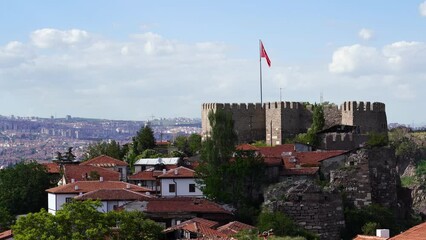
342, 141
316, 209
370, 117
368, 176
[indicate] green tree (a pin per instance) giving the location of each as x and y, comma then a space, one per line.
318, 121
134, 225
22, 188
6, 219
194, 142
227, 175
143, 140
111, 148
282, 225
80, 220
181, 142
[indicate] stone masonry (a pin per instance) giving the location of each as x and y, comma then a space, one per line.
310, 206
274, 122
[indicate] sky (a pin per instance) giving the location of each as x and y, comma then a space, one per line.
131, 60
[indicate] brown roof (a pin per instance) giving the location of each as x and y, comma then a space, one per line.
52, 167
6, 234
365, 237
205, 222
146, 175
104, 161
310, 158
234, 227
417, 232
276, 151
114, 194
88, 186
247, 147
184, 204
82, 173
180, 172
197, 227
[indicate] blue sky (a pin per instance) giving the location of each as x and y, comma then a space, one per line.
134, 59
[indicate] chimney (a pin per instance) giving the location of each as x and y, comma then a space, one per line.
384, 233
128, 186
76, 187
164, 171
101, 179
176, 171
147, 193
72, 180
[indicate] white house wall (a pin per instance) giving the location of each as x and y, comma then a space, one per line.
55, 201
182, 187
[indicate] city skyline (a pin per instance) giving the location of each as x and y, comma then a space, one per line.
130, 60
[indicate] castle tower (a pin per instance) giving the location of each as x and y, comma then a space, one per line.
249, 120
369, 117
284, 120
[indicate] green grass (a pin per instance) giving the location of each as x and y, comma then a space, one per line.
408, 181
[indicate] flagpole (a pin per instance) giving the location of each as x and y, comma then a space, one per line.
260, 72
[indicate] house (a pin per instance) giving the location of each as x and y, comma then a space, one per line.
74, 173
109, 163
195, 228
172, 211
179, 182
111, 199
147, 178
234, 227
155, 163
381, 234
57, 196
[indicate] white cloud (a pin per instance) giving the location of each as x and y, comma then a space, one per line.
51, 38
365, 34
422, 8
398, 57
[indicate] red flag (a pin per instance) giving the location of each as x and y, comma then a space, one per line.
263, 54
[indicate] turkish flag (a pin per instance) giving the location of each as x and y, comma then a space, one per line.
263, 54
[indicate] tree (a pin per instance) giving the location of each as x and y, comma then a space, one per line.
5, 219
111, 148
227, 175
282, 225
22, 188
80, 220
194, 142
181, 142
143, 140
318, 121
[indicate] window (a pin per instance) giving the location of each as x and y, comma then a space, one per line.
68, 200
172, 188
191, 187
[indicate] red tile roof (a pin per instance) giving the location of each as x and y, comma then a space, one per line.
114, 194
365, 237
310, 159
52, 167
247, 147
234, 227
82, 173
273, 161
6, 234
146, 175
277, 151
184, 204
104, 161
417, 232
180, 172
205, 222
88, 186
197, 227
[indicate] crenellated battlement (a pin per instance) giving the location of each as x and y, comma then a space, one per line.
354, 106
232, 106
283, 105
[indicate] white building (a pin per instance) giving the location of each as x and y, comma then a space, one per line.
147, 163
179, 182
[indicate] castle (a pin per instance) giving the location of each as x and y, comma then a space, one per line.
274, 122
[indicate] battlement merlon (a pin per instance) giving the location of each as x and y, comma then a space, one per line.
283, 105
354, 106
231, 106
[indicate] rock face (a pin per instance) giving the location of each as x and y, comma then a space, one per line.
316, 209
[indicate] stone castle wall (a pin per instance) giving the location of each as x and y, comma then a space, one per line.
249, 120
276, 121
